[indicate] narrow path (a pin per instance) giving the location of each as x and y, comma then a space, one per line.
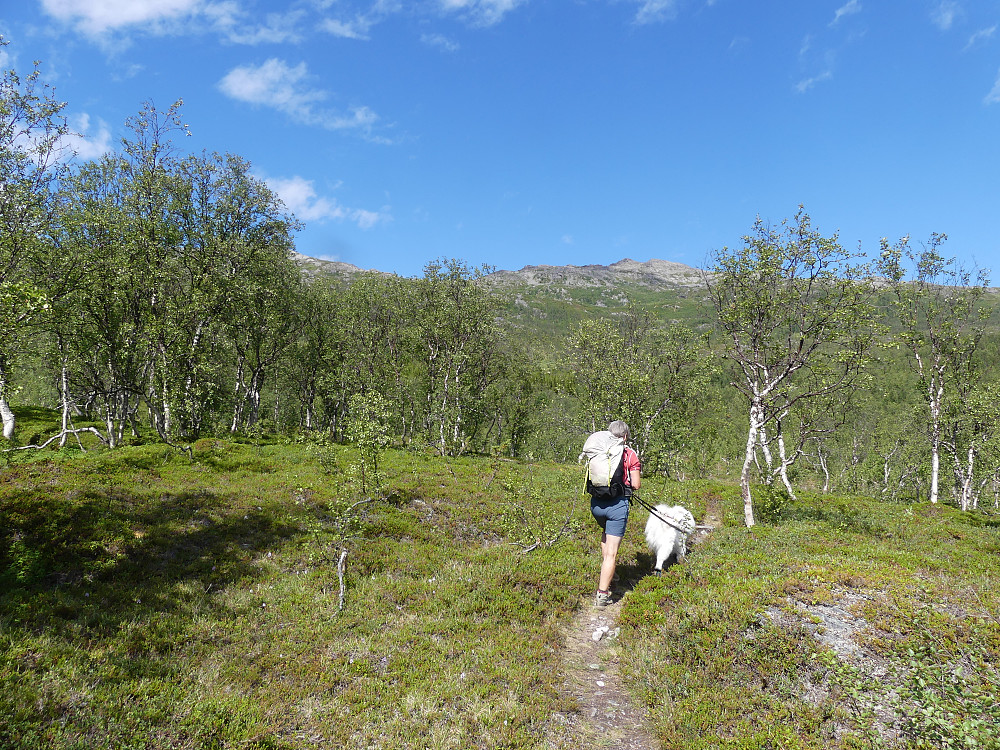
607, 718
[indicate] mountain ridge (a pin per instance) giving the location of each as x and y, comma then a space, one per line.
651, 273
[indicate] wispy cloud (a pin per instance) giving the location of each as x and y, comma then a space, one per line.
945, 13
288, 89
440, 42
980, 36
994, 96
852, 7
651, 11
96, 17
299, 195
356, 29
480, 12
84, 142
567, 239
277, 28
807, 83
100, 19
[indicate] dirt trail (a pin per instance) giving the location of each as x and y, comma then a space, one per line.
607, 718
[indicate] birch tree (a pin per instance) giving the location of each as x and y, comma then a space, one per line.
648, 375
118, 223
462, 349
798, 315
940, 311
31, 132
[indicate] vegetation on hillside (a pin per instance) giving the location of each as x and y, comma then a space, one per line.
151, 600
240, 507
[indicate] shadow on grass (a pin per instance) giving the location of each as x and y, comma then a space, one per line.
105, 558
773, 507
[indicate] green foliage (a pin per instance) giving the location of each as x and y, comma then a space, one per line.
528, 517
941, 707
799, 318
651, 376
172, 599
368, 432
771, 503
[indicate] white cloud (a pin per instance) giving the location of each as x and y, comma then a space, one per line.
945, 14
277, 28
100, 18
651, 11
852, 7
275, 84
357, 29
97, 17
299, 195
287, 89
979, 36
440, 41
807, 83
480, 12
567, 239
994, 96
85, 144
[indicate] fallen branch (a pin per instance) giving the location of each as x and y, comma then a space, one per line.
340, 576
57, 436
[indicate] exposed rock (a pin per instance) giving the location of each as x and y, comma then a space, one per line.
312, 267
652, 273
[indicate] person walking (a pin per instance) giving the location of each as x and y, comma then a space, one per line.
610, 507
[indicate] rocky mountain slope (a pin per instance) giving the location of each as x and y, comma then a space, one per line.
652, 273
655, 274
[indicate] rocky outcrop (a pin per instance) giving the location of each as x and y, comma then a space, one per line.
652, 273
312, 267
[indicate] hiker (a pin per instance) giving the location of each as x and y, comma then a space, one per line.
610, 505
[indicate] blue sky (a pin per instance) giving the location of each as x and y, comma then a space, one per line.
525, 132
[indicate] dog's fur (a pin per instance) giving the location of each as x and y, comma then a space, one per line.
663, 539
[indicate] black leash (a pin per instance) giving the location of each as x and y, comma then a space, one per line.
653, 512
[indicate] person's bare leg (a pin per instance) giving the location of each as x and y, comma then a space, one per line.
609, 556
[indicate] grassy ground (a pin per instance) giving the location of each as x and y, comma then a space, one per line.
148, 600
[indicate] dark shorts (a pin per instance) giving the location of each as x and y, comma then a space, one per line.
611, 515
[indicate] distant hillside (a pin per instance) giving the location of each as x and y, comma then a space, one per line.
655, 274
312, 267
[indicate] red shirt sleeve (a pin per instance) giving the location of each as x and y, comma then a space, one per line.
631, 464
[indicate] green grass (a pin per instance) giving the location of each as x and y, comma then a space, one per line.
152, 601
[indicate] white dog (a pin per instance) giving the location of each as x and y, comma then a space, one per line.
666, 539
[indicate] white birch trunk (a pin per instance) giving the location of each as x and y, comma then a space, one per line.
966, 501
765, 448
64, 400
6, 414
823, 467
784, 463
748, 459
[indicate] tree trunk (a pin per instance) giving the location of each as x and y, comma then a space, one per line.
784, 462
966, 501
824, 467
5, 413
755, 417
64, 397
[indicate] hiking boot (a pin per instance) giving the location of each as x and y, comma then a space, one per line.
602, 599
